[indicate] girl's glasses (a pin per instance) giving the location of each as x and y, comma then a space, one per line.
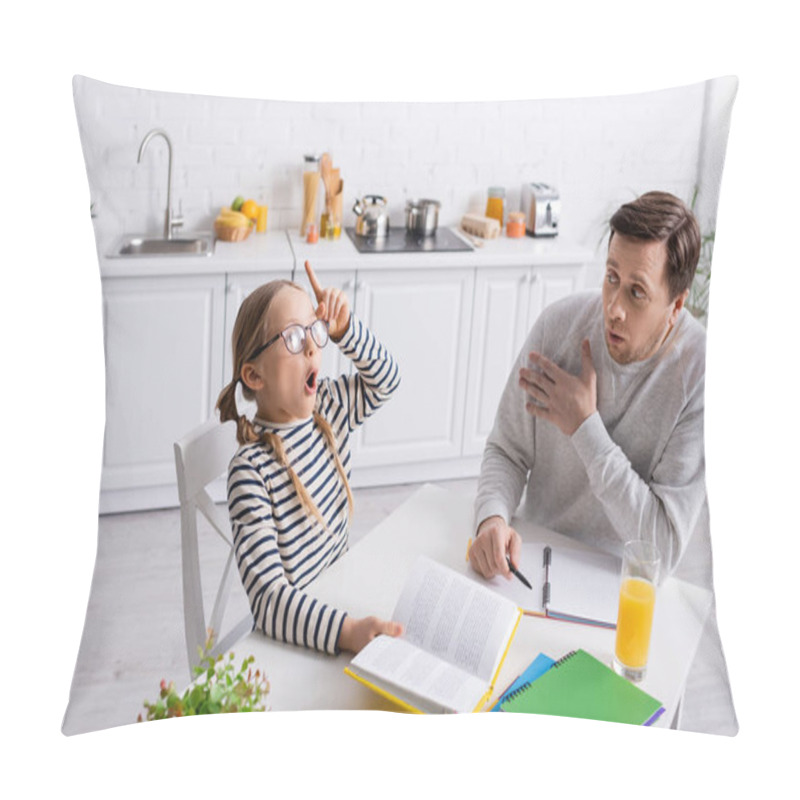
294, 337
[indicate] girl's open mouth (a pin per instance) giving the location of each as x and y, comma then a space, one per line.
311, 382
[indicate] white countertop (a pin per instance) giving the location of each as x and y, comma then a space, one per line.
501, 252
285, 249
259, 251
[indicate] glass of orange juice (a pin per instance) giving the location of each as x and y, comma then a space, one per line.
641, 568
261, 219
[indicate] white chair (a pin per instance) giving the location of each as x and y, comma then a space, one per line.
201, 457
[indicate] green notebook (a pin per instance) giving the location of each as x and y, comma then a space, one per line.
579, 685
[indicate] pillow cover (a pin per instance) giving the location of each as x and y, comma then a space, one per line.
168, 320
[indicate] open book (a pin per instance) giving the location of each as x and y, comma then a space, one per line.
456, 635
574, 584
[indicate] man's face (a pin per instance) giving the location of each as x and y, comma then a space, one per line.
637, 310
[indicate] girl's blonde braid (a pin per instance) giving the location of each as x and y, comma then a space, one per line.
327, 432
275, 443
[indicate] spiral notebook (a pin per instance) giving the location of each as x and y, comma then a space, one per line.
537, 668
578, 685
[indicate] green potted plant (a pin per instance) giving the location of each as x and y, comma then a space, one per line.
218, 688
697, 302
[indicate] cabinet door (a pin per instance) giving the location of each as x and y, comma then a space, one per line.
163, 359
499, 326
423, 318
548, 284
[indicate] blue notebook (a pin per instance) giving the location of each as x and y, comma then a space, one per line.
537, 668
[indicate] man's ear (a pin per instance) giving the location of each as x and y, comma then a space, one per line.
677, 304
251, 378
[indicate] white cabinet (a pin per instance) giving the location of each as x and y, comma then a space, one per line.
455, 326
163, 362
546, 285
499, 324
423, 318
507, 303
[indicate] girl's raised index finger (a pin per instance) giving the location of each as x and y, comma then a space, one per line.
313, 280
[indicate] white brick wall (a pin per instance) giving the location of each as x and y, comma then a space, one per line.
599, 152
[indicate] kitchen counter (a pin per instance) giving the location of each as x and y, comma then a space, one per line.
287, 250
501, 252
259, 252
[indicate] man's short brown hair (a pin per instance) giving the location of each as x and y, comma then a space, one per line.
662, 217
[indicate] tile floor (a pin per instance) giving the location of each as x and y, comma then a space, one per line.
133, 633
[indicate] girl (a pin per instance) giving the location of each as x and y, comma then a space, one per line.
289, 496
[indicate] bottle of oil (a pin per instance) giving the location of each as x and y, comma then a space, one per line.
311, 192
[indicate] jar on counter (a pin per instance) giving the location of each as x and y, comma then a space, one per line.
495, 203
311, 179
330, 226
515, 228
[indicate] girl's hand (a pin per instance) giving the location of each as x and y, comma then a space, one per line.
358, 633
334, 307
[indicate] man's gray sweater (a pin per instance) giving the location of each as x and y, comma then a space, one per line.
633, 469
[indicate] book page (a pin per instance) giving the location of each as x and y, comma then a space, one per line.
399, 663
454, 618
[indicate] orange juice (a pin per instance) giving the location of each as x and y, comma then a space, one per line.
637, 599
261, 219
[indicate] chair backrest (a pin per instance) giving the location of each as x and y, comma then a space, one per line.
201, 457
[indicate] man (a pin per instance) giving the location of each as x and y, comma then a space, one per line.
605, 422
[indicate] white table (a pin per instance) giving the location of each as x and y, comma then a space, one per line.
437, 523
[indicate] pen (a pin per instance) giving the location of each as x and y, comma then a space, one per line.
547, 556
513, 569
518, 573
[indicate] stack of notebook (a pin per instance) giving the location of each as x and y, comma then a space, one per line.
578, 685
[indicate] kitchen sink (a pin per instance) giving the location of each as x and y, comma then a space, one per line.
201, 244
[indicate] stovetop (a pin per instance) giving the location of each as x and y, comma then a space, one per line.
398, 240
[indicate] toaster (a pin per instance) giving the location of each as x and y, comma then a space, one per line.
542, 208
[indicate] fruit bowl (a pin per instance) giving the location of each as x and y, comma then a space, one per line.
228, 233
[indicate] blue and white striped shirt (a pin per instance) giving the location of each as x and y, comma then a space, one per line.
280, 549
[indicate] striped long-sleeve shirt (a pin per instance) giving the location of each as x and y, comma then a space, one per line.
280, 548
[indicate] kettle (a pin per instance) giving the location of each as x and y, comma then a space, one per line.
373, 218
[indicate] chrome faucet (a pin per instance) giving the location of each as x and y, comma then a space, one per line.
170, 221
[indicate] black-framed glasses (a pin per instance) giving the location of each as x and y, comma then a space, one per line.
294, 337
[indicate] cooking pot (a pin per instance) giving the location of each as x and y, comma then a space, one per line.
422, 217
373, 218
